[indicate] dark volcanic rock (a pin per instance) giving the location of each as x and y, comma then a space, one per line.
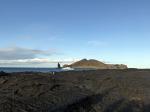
3, 73
85, 91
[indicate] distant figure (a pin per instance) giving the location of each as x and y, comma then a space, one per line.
53, 73
59, 66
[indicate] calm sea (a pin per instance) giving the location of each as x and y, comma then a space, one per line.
9, 70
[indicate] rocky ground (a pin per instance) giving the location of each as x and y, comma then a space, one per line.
81, 91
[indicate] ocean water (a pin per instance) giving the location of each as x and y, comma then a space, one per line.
15, 69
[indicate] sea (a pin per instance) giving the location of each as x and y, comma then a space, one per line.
44, 70
23, 69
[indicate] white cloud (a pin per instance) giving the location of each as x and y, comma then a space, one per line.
18, 56
25, 57
16, 53
35, 62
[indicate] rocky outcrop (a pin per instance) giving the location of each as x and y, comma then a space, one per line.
117, 66
84, 63
95, 64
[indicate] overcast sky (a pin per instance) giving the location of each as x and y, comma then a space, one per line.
41, 32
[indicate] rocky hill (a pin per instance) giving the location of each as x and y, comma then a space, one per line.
95, 64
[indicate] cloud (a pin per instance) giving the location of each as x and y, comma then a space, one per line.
26, 57
36, 62
18, 53
96, 43
29, 61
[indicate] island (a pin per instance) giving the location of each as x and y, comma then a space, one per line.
94, 64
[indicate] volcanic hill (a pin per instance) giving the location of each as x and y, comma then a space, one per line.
95, 64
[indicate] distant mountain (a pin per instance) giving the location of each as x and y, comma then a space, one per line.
95, 64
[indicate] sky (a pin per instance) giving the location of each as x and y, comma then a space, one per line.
39, 33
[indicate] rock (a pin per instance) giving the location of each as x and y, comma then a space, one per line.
95, 64
3, 73
117, 66
2, 81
